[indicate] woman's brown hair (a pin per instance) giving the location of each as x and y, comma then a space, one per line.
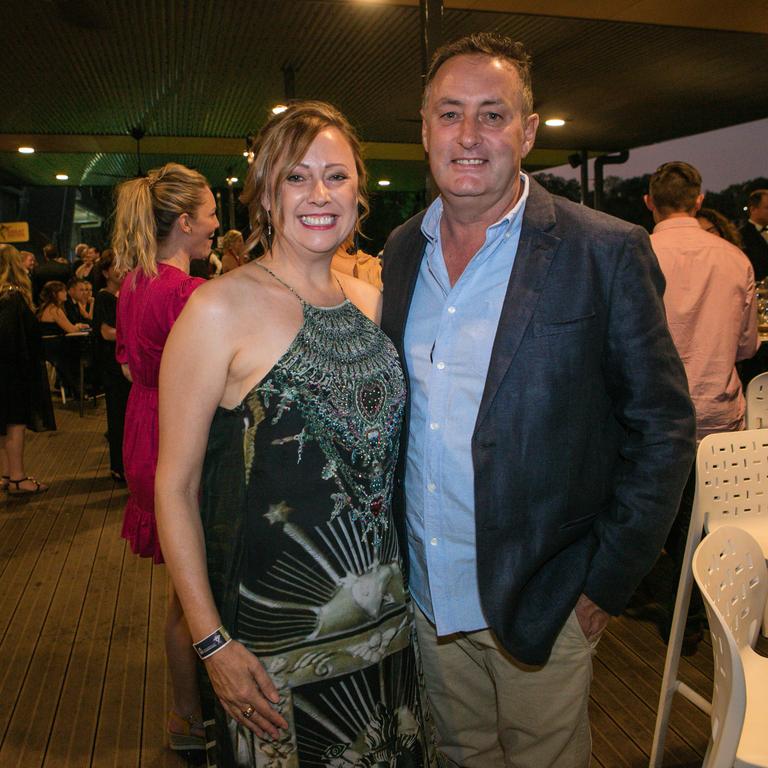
278, 148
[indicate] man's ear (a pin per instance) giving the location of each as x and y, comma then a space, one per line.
648, 200
699, 201
424, 132
531, 125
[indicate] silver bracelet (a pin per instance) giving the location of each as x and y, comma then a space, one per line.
213, 643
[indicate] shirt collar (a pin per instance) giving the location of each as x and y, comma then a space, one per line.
431, 222
758, 227
678, 222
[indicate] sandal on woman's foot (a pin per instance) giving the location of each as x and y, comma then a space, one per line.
4, 481
185, 733
18, 491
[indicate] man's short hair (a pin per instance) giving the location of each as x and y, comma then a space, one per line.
73, 281
674, 187
486, 44
756, 197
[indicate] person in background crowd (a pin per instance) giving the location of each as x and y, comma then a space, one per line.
754, 233
25, 401
88, 269
232, 250
281, 403
550, 430
53, 319
162, 221
715, 223
28, 261
712, 316
54, 324
53, 267
350, 260
81, 249
76, 306
116, 385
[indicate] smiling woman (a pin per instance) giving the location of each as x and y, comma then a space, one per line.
281, 403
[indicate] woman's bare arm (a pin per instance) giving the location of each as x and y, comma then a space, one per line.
193, 378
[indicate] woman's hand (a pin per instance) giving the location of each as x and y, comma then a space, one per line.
83, 327
244, 687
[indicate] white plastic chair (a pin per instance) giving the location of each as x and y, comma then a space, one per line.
731, 489
757, 402
730, 570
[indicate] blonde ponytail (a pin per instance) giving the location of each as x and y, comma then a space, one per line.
147, 209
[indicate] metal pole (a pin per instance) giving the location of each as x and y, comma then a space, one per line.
584, 166
431, 17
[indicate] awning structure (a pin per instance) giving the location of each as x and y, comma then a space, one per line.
198, 77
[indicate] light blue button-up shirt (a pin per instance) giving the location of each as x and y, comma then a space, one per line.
449, 336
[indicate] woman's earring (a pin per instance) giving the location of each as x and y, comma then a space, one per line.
269, 229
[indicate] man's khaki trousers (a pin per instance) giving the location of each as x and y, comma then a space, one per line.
493, 711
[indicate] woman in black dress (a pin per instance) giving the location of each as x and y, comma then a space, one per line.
116, 386
24, 397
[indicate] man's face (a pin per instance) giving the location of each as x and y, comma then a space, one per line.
474, 131
77, 292
759, 214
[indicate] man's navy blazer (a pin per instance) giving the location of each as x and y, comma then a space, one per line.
585, 433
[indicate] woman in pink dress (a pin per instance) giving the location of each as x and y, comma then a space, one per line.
162, 221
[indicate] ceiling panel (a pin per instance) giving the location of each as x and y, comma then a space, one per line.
213, 70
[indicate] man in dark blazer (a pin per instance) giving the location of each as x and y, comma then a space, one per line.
549, 430
753, 233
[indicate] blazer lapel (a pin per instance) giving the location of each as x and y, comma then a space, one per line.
534, 255
403, 275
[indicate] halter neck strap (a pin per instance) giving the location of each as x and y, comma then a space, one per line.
285, 285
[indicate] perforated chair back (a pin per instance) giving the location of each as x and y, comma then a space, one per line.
732, 482
757, 402
730, 570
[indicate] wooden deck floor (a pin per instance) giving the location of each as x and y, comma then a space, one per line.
83, 680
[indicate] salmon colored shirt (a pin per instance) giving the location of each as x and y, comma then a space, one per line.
712, 315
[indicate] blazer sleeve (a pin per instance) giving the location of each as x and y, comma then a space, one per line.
649, 391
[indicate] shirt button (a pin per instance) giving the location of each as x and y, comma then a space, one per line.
451, 310
440, 365
434, 425
507, 236
431, 487
433, 542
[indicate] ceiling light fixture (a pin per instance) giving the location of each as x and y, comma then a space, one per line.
278, 108
383, 182
27, 150
555, 122
232, 180
62, 176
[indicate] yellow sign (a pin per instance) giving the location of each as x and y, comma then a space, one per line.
14, 232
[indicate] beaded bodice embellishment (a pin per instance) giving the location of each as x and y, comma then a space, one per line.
342, 374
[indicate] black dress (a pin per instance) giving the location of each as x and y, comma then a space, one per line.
24, 394
116, 386
303, 555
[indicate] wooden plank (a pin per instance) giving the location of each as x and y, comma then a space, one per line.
154, 746
118, 732
74, 728
630, 695
37, 703
610, 745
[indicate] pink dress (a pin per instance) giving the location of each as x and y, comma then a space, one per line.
147, 308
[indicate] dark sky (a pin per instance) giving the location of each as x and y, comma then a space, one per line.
723, 157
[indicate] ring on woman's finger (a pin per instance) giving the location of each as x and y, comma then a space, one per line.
248, 711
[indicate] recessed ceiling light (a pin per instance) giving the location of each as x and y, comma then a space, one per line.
276, 110
555, 122
384, 182
62, 176
26, 150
